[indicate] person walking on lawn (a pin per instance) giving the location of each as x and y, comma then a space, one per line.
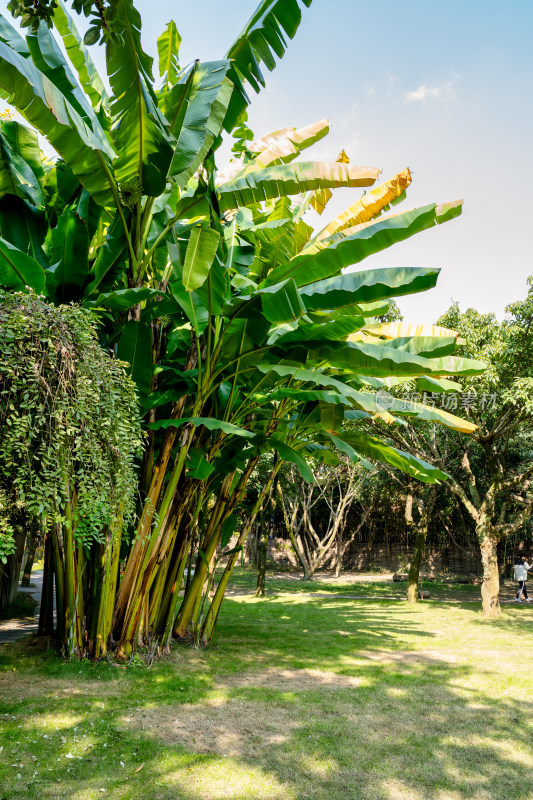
521, 568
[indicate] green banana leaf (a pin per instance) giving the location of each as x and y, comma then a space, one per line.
110, 259
374, 448
207, 100
262, 37
50, 61
286, 179
143, 145
123, 299
67, 247
281, 303
344, 447
284, 146
366, 286
208, 422
24, 227
45, 107
80, 57
288, 453
441, 385
337, 330
21, 171
427, 346
135, 347
168, 47
18, 270
199, 257
349, 247
380, 360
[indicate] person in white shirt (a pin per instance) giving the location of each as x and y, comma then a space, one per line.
521, 568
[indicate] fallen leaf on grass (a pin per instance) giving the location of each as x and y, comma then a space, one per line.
140, 768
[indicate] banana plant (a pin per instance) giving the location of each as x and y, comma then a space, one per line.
241, 330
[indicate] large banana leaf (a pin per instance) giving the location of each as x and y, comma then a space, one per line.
24, 227
110, 259
394, 330
80, 56
168, 46
43, 105
206, 101
286, 179
50, 62
208, 422
427, 346
144, 148
18, 270
286, 145
374, 448
349, 247
199, 257
369, 206
21, 171
262, 37
367, 286
67, 247
379, 360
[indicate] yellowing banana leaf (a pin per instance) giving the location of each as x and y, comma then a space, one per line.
343, 158
287, 179
394, 330
431, 414
369, 206
286, 147
319, 199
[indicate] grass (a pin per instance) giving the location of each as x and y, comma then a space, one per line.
245, 579
301, 698
23, 607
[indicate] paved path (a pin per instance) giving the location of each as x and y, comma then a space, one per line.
13, 629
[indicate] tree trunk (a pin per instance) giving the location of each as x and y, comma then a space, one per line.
416, 561
10, 572
261, 557
32, 546
490, 588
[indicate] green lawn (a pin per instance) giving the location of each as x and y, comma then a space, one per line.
350, 584
300, 698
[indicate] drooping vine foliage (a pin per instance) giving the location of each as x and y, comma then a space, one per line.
68, 416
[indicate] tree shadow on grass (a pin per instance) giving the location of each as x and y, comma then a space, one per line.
326, 700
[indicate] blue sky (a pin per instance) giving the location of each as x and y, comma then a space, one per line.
441, 88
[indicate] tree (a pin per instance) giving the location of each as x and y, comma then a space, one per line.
316, 514
489, 463
232, 314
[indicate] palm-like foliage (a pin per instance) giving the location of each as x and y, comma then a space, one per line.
237, 323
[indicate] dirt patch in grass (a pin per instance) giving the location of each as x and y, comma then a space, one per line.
228, 727
293, 680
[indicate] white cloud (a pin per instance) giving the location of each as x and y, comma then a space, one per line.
444, 94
